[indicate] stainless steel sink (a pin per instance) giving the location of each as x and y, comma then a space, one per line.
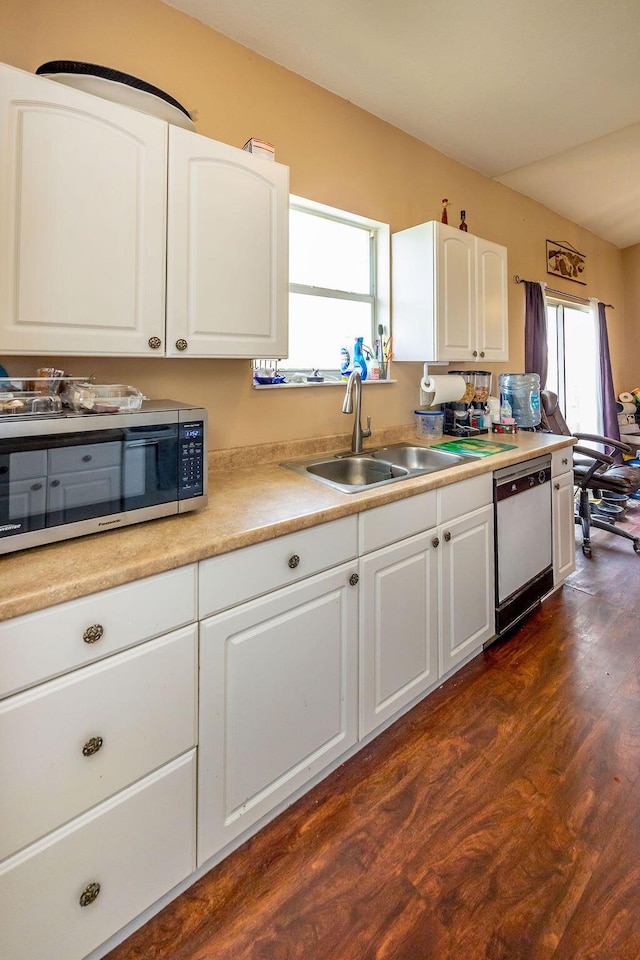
354, 473
423, 459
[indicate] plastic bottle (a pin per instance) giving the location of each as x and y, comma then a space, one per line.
345, 362
522, 391
505, 411
359, 361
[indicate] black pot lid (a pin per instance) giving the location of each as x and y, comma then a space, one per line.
119, 87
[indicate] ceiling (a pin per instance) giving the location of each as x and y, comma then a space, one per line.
541, 96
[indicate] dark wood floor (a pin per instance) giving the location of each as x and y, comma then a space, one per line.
496, 821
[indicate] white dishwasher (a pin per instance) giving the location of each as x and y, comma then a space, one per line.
524, 560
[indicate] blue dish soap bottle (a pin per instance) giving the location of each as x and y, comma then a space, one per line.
359, 362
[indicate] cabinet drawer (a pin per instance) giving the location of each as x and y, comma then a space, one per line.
137, 846
141, 704
41, 645
464, 497
561, 461
396, 521
256, 570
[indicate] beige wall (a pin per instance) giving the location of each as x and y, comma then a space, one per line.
338, 154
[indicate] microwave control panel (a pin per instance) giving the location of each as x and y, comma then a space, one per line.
191, 459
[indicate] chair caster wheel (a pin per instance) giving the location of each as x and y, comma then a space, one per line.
587, 550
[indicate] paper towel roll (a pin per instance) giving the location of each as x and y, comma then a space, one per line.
626, 406
626, 398
447, 389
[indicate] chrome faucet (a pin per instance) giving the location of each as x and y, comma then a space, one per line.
355, 383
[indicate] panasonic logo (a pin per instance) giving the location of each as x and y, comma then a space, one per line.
108, 523
10, 526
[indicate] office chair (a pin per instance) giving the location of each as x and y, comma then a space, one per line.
593, 470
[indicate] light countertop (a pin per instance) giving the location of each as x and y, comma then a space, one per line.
251, 498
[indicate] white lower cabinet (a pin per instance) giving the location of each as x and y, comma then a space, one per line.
427, 602
399, 628
467, 600
562, 509
278, 694
98, 728
66, 895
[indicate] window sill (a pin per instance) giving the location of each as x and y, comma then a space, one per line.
324, 383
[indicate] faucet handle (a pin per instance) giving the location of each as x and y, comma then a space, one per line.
367, 432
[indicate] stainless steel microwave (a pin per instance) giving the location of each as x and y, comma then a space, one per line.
84, 473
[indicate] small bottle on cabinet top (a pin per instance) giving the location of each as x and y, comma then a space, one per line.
463, 222
444, 218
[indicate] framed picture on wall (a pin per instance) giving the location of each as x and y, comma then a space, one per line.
563, 260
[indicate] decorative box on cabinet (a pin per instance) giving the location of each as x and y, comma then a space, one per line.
98, 806
449, 295
87, 249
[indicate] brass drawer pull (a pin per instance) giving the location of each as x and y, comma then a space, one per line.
447, 536
354, 579
93, 633
294, 561
89, 894
92, 746
435, 542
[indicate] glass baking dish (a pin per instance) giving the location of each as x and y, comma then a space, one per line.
102, 397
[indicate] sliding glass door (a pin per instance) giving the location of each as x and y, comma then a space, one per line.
574, 369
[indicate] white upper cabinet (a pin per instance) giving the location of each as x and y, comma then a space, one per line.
82, 221
227, 250
87, 251
449, 295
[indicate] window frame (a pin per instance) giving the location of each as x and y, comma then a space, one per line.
379, 295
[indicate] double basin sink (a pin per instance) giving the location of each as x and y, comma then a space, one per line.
353, 473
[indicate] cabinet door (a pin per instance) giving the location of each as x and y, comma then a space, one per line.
278, 694
467, 586
455, 294
227, 250
564, 540
492, 315
82, 221
398, 628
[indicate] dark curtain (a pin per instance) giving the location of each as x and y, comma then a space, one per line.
535, 331
609, 409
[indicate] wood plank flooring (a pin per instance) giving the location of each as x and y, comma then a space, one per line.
498, 820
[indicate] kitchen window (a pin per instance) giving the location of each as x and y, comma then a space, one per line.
338, 285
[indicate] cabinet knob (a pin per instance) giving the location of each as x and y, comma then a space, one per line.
482, 353
354, 579
293, 561
155, 343
475, 353
556, 486
93, 633
565, 461
92, 746
447, 536
435, 542
181, 345
89, 894
87, 458
36, 486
